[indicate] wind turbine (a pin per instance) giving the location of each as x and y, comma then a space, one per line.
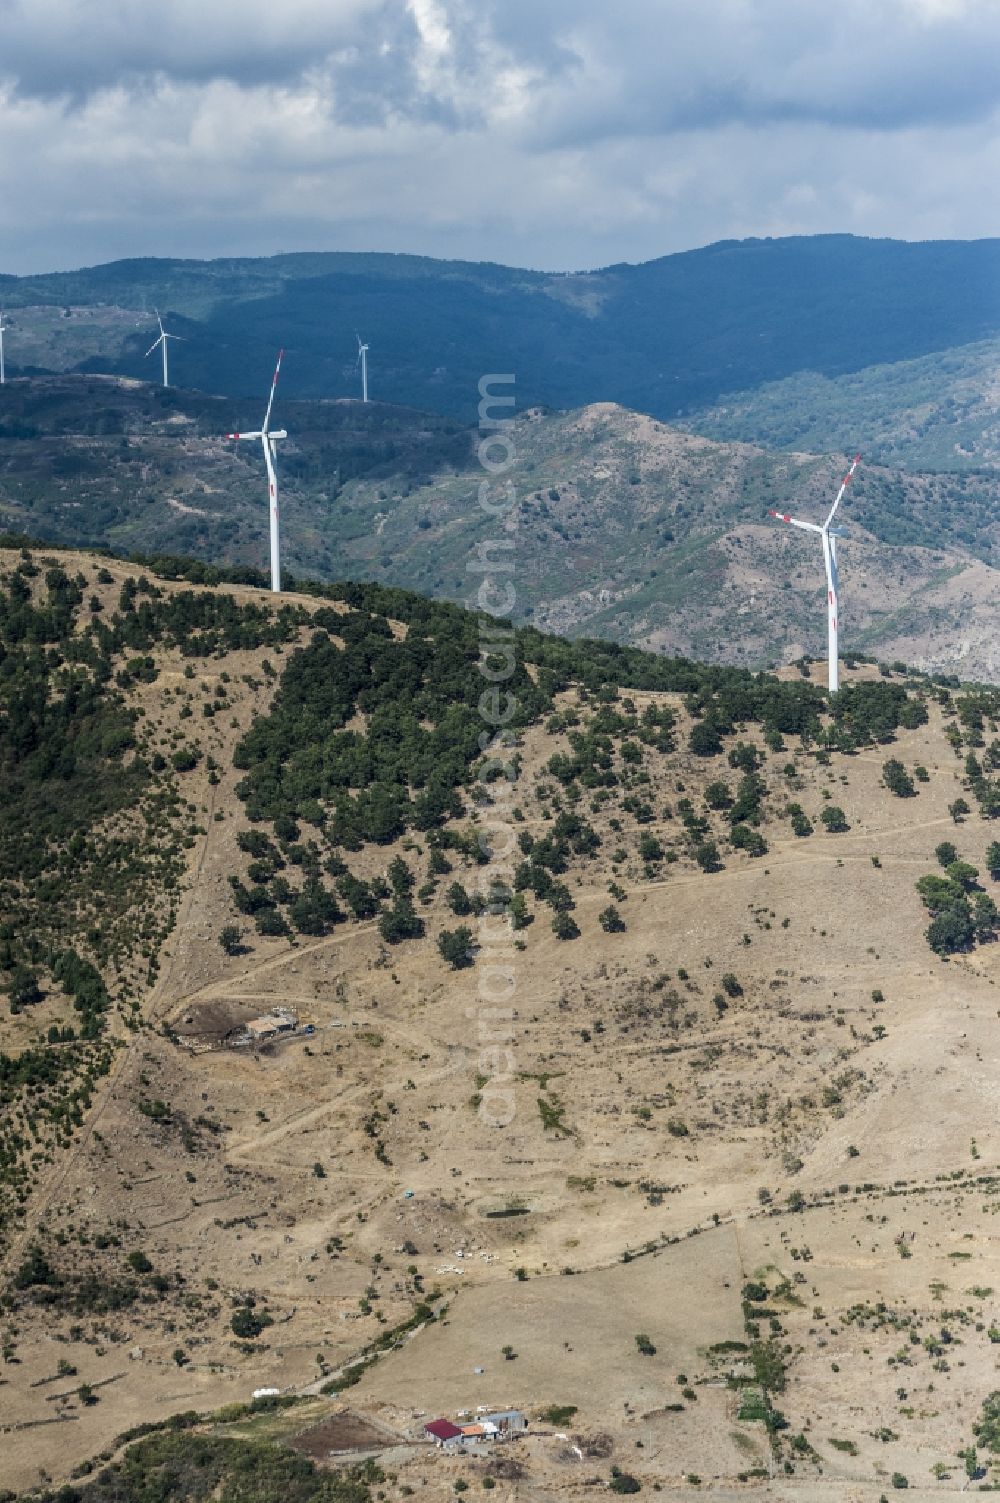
162, 342
3, 326
267, 437
829, 536
362, 360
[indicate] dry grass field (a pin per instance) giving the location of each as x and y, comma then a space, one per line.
820, 1129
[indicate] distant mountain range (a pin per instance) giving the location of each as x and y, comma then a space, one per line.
936, 412
622, 527
669, 337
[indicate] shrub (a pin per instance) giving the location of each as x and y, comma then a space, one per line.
624, 1482
558, 1414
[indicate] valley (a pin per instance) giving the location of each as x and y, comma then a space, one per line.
622, 527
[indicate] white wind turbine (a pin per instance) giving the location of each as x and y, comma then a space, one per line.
162, 342
3, 326
267, 437
362, 360
829, 536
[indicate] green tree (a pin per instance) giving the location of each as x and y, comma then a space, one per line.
24, 990
248, 1323
455, 946
963, 874
230, 938
951, 931
704, 739
458, 900
751, 841
718, 796
897, 779
564, 926
707, 856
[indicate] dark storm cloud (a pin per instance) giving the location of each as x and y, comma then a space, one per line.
537, 130
596, 68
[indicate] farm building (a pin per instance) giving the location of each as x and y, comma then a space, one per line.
271, 1024
480, 1431
506, 1422
444, 1434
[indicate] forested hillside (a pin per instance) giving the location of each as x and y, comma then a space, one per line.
663, 337
937, 412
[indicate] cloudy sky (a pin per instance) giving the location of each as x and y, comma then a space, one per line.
548, 133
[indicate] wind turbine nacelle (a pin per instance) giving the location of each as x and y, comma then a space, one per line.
276, 433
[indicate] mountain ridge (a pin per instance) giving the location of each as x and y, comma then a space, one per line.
665, 336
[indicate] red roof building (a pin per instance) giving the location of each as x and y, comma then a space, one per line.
443, 1431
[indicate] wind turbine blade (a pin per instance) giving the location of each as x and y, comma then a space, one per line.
270, 400
257, 433
794, 521
159, 320
154, 346
843, 486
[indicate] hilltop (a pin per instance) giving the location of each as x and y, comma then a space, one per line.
623, 527
666, 337
737, 1218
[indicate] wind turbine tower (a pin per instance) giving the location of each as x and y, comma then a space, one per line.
3, 326
829, 535
363, 362
162, 342
268, 437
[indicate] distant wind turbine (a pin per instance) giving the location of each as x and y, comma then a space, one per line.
362, 360
829, 536
267, 436
162, 342
3, 326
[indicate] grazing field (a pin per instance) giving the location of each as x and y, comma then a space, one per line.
737, 1224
